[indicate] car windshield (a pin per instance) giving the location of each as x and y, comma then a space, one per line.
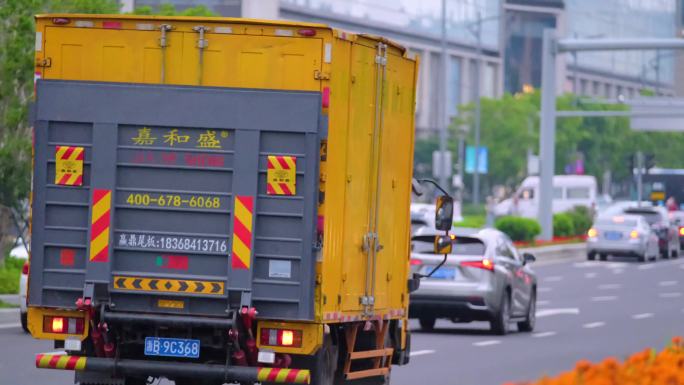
461, 245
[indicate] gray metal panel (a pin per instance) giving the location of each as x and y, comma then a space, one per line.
288, 111
108, 119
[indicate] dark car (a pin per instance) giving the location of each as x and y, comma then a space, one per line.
483, 279
665, 229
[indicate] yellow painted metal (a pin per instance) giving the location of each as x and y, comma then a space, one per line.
273, 55
36, 315
312, 336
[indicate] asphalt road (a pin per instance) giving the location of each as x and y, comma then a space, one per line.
587, 310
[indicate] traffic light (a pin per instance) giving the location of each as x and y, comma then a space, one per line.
649, 161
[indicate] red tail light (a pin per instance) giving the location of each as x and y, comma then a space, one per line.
485, 263
415, 262
25, 268
63, 325
281, 337
111, 24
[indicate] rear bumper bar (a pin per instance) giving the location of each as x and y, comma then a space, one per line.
172, 369
168, 320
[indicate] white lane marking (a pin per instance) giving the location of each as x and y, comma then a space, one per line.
667, 283
543, 303
544, 289
593, 325
554, 278
487, 343
550, 312
543, 334
10, 326
603, 298
421, 352
646, 267
642, 316
675, 294
610, 286
590, 275
618, 271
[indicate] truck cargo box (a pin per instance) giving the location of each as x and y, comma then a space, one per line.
196, 165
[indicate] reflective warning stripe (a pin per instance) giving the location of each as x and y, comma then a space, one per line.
242, 232
168, 285
281, 175
60, 361
69, 165
99, 225
280, 375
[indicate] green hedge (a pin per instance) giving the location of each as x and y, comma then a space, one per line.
563, 225
518, 228
581, 219
10, 271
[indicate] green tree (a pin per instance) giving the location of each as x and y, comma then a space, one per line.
170, 10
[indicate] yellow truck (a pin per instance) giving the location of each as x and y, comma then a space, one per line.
220, 200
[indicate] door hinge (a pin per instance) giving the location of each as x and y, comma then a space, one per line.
367, 300
318, 75
381, 57
47, 62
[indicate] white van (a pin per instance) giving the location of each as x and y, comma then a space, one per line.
568, 191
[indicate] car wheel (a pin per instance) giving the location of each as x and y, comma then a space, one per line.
664, 255
501, 319
641, 258
675, 253
528, 324
591, 256
603, 257
24, 322
427, 323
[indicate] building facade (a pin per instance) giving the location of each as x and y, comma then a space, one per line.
510, 43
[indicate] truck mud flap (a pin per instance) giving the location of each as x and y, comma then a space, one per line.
127, 367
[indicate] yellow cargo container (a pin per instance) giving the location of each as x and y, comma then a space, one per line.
367, 87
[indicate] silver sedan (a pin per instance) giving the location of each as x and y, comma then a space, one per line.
622, 235
483, 279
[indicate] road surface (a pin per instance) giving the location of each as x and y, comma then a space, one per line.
587, 310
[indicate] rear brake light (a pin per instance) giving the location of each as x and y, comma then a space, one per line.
681, 231
25, 268
485, 263
634, 234
306, 32
60, 20
415, 262
63, 325
281, 337
592, 233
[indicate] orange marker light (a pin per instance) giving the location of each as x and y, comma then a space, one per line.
681, 231
57, 324
288, 338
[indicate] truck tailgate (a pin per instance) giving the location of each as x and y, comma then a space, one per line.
175, 199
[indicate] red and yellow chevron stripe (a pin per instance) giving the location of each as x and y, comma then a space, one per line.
99, 225
281, 175
69, 165
278, 375
242, 232
60, 361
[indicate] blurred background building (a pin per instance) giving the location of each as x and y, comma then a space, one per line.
510, 42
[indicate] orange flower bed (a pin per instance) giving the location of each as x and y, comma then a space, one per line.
645, 368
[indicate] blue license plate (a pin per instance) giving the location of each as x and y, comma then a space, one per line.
444, 273
613, 235
172, 347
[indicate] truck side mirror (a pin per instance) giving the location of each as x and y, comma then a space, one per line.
442, 244
444, 213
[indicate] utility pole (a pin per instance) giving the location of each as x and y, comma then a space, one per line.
640, 177
478, 108
442, 110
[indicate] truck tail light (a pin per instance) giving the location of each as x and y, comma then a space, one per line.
485, 263
281, 337
415, 262
25, 268
63, 325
